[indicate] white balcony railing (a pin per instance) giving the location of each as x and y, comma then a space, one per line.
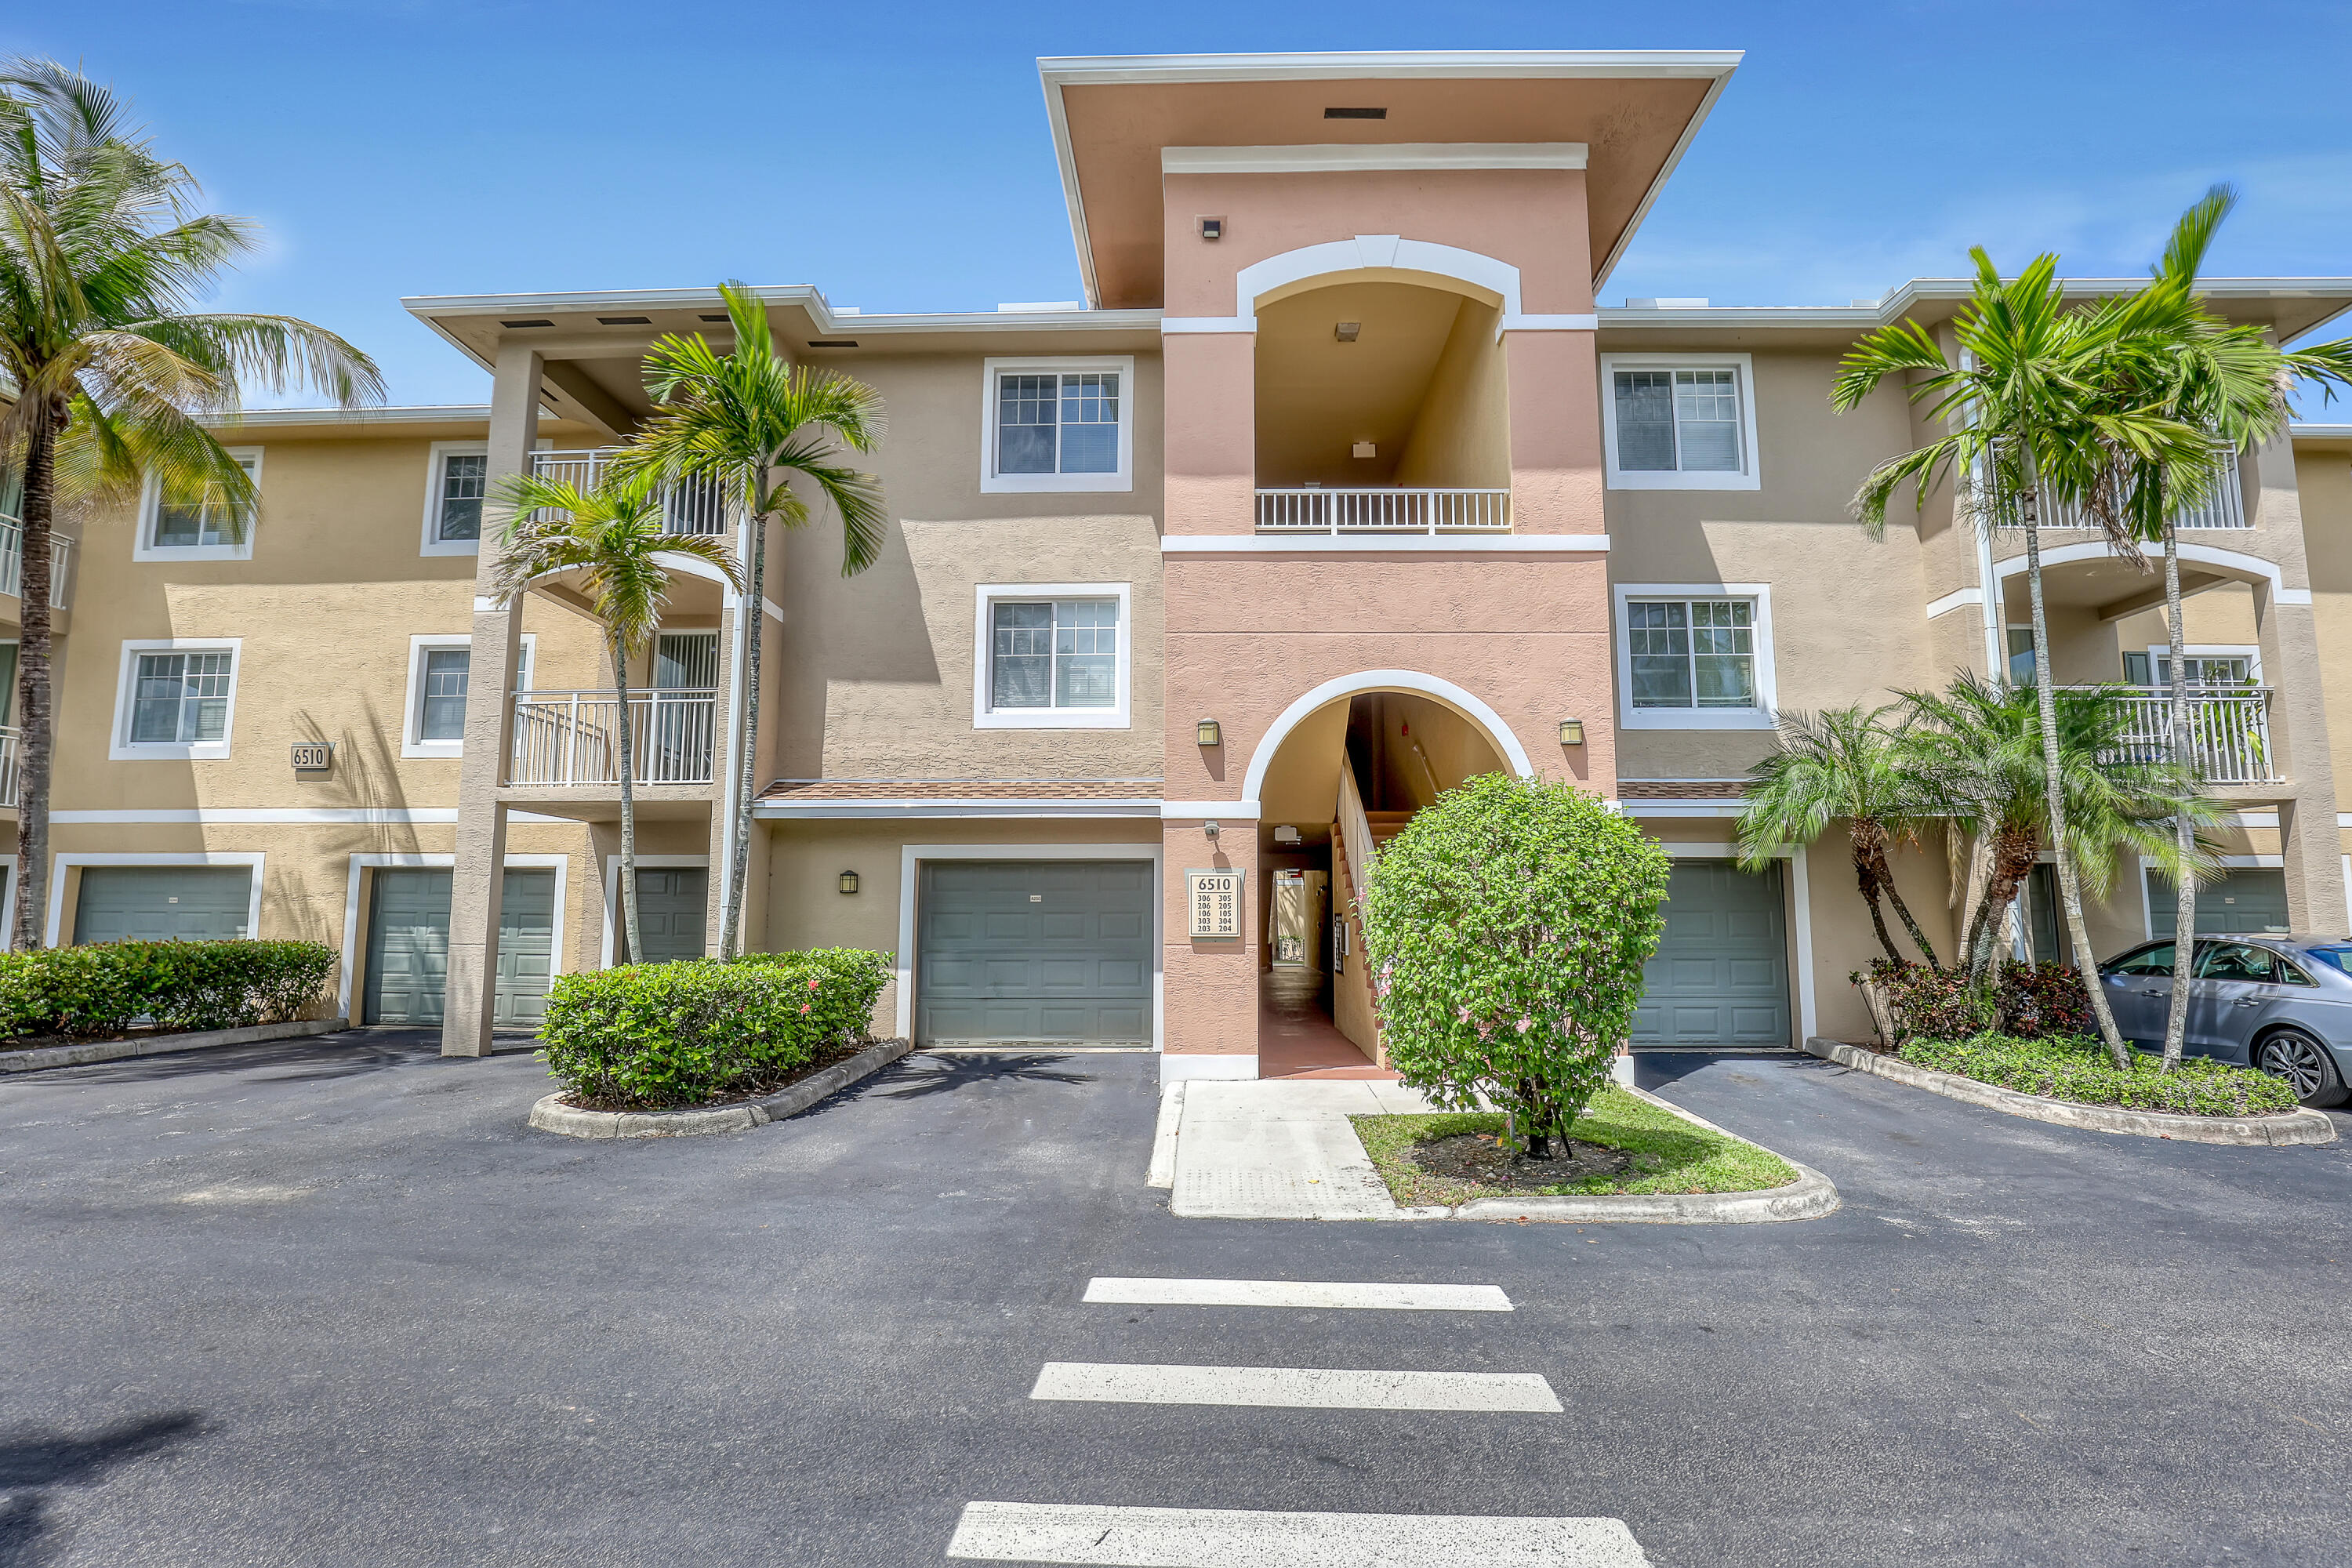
1310, 509
698, 506
2229, 733
571, 738
2226, 508
11, 765
12, 560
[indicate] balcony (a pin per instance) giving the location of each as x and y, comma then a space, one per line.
572, 739
12, 564
2229, 733
697, 506
2226, 508
1314, 509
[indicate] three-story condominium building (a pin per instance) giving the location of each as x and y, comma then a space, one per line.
1337, 489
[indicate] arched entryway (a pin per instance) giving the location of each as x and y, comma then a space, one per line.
1341, 773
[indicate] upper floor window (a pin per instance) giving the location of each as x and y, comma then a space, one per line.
1052, 657
177, 699
457, 485
440, 675
201, 524
1059, 424
2210, 667
1679, 421
1694, 658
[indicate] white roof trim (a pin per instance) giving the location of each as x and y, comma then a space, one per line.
1323, 158
830, 809
1058, 70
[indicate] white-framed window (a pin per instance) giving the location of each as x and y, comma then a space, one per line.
2215, 666
176, 698
457, 487
1679, 422
440, 668
1695, 656
1066, 425
1051, 656
199, 527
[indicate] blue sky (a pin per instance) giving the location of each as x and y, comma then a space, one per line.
897, 155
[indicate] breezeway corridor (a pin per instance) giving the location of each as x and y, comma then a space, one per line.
352, 1311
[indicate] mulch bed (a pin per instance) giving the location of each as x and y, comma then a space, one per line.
1476, 1157
736, 1093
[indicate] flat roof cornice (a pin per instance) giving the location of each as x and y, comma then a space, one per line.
1340, 66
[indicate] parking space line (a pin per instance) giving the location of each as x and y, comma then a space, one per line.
1220, 1538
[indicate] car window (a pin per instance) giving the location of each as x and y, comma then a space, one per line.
2288, 974
2236, 961
2153, 960
2336, 955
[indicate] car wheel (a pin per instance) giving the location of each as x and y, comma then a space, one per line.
2304, 1062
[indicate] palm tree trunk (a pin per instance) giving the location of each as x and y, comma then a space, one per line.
1867, 881
1885, 873
738, 849
2070, 890
35, 723
628, 806
2184, 919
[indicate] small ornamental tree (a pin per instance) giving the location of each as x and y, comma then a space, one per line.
1506, 930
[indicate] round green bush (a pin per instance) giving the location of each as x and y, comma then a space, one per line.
1506, 929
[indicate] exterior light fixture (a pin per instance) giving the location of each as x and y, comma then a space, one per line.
849, 881
1207, 733
1212, 228
1364, 449
1346, 331
1209, 828
1571, 731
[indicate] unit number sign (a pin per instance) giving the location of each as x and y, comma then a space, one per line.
1215, 898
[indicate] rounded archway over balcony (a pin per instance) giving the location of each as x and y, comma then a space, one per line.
1383, 405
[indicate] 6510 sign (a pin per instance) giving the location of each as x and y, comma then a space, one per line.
1215, 899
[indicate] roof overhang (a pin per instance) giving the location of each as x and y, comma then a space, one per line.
1112, 115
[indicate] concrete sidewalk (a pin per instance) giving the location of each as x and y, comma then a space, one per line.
1276, 1149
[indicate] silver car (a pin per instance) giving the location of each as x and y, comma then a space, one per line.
2282, 1004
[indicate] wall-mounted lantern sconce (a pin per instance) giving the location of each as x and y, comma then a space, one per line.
849, 881
1207, 733
1571, 731
1210, 828
1212, 228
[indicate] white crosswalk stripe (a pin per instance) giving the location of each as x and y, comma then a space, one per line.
1134, 1292
1296, 1387
1228, 1538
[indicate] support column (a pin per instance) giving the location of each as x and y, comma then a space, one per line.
479, 881
2289, 637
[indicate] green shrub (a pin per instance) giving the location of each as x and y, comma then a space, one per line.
2031, 1000
105, 987
659, 1034
2080, 1069
1506, 930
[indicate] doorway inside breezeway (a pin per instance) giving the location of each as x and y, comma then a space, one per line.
1344, 781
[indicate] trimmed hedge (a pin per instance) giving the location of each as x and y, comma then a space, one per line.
105, 987
657, 1036
2079, 1069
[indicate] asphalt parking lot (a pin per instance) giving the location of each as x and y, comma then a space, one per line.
330, 1303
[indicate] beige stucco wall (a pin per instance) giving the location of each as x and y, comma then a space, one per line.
2323, 477
874, 673
1463, 436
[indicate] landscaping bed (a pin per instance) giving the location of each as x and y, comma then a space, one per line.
1621, 1145
2080, 1071
742, 1089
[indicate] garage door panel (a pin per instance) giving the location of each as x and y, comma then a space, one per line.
1034, 950
164, 903
1720, 974
408, 946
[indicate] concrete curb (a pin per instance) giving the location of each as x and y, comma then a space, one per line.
159, 1044
551, 1115
2304, 1126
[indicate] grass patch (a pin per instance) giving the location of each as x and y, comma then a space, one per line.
1657, 1151
2080, 1070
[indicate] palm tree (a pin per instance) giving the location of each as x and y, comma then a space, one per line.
2035, 431
2229, 381
752, 420
611, 534
103, 251
1977, 750
1849, 763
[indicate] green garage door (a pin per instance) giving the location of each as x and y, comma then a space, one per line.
164, 903
2249, 901
672, 914
1720, 976
1050, 950
408, 946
